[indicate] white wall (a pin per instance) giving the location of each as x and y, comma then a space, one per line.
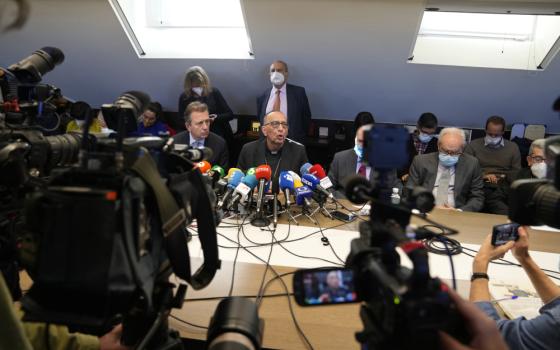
349, 54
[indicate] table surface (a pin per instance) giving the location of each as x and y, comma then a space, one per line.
329, 327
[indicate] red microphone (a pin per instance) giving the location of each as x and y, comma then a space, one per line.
263, 174
325, 181
203, 166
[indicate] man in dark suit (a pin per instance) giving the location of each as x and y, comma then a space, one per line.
422, 141
454, 178
274, 149
289, 99
198, 135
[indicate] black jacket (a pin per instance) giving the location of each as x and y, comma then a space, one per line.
432, 147
217, 144
216, 105
497, 201
292, 156
299, 113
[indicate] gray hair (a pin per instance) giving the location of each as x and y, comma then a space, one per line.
538, 143
455, 131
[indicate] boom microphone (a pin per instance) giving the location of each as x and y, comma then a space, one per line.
358, 189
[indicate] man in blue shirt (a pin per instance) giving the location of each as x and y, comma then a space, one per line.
150, 124
542, 332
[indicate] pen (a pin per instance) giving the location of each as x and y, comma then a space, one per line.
504, 299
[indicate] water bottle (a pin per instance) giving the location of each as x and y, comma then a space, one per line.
395, 197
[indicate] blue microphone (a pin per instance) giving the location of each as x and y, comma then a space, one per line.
234, 180
244, 189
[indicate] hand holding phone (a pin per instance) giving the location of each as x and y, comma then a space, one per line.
501, 234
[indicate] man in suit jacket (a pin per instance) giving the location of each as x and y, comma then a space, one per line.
198, 135
289, 99
454, 178
274, 149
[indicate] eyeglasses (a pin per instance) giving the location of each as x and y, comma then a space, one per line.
537, 159
450, 153
276, 124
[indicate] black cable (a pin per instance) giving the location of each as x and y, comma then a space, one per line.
252, 296
260, 292
240, 228
186, 322
47, 337
326, 240
443, 239
451, 246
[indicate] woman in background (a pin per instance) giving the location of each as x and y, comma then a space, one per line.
198, 88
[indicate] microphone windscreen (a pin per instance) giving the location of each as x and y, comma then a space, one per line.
251, 181
297, 183
203, 166
218, 169
295, 175
263, 172
310, 180
355, 187
304, 168
231, 171
55, 53
235, 179
318, 171
302, 193
251, 171
286, 181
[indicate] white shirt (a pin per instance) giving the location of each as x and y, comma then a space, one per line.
451, 192
283, 100
193, 141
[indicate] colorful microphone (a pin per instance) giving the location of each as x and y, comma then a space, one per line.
233, 181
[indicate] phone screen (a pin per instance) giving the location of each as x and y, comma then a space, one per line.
501, 234
324, 287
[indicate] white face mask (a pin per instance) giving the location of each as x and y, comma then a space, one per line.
277, 78
539, 170
197, 90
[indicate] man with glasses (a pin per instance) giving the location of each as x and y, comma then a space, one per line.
422, 141
289, 99
497, 202
454, 178
198, 134
275, 149
499, 158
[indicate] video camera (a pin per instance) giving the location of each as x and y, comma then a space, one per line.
401, 308
537, 201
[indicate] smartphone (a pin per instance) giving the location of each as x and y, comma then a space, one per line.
324, 286
343, 216
501, 234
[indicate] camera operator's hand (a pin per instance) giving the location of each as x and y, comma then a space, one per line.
520, 249
482, 330
112, 340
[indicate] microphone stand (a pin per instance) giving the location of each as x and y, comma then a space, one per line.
287, 210
260, 219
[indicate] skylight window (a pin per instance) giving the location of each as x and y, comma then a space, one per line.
185, 28
512, 41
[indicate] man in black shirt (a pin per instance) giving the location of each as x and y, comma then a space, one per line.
275, 149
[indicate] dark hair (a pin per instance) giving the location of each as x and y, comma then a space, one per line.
363, 118
428, 120
556, 105
156, 108
80, 110
496, 119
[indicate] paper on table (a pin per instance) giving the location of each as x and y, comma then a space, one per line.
545, 228
527, 303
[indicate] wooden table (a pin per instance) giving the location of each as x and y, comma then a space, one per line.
329, 327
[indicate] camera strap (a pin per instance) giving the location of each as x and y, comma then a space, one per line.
173, 221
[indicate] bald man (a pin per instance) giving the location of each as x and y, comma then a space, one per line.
274, 149
289, 99
454, 178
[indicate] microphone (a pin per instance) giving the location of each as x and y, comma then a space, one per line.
303, 193
286, 184
233, 181
358, 189
231, 171
319, 172
263, 174
203, 166
295, 176
305, 168
194, 154
245, 187
314, 183
216, 173
251, 171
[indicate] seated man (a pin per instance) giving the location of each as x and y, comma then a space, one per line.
498, 201
198, 135
455, 178
538, 333
498, 158
275, 149
423, 140
350, 161
151, 123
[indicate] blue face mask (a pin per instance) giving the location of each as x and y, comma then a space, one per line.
425, 138
448, 161
359, 151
